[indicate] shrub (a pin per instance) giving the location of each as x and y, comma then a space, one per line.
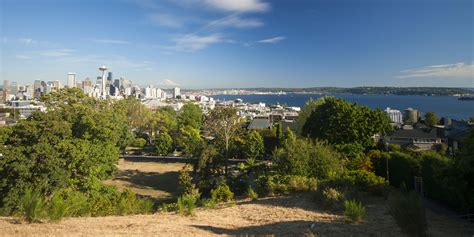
272, 184
185, 180
354, 211
301, 183
308, 158
138, 142
330, 197
33, 206
251, 193
208, 203
186, 204
163, 143
222, 194
408, 211
169, 207
58, 207
402, 168
366, 181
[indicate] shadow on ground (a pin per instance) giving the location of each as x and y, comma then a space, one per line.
166, 182
296, 228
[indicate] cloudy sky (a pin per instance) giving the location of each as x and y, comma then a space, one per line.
241, 43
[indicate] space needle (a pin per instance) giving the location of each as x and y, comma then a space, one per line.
103, 69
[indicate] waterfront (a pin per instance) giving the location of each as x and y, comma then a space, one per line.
444, 106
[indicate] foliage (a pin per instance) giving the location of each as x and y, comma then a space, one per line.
301, 183
253, 148
408, 211
190, 115
464, 165
188, 140
330, 197
223, 124
305, 113
208, 203
163, 143
33, 207
402, 168
305, 157
341, 122
138, 142
431, 118
364, 181
186, 204
354, 211
222, 193
251, 193
4, 134
169, 207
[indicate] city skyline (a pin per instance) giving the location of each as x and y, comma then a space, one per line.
244, 44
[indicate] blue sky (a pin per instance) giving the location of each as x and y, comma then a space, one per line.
241, 43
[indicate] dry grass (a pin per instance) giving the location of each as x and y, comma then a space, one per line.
155, 180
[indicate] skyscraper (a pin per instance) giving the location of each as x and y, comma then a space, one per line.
71, 80
103, 90
176, 92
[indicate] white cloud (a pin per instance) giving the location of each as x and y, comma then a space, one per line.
110, 41
193, 42
166, 20
236, 21
445, 70
239, 5
58, 53
273, 40
168, 82
23, 57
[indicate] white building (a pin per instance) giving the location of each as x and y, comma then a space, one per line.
71, 80
176, 92
395, 115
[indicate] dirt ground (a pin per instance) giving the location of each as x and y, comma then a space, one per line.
295, 215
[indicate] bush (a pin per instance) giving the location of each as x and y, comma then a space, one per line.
402, 168
163, 143
305, 157
354, 210
252, 194
366, 181
169, 207
408, 211
329, 197
222, 194
33, 207
301, 183
186, 204
272, 184
208, 203
138, 142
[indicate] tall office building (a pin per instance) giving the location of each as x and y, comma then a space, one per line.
110, 77
37, 88
71, 80
176, 92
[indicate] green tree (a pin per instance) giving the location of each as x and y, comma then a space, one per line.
190, 115
305, 112
340, 122
163, 143
253, 147
165, 120
72, 145
223, 124
188, 140
431, 118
